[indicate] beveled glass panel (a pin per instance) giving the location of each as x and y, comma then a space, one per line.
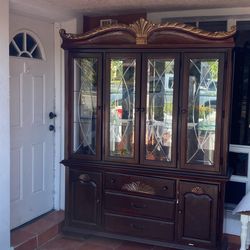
202, 103
159, 109
85, 102
122, 107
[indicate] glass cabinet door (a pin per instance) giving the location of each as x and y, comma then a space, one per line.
202, 111
121, 108
87, 110
160, 102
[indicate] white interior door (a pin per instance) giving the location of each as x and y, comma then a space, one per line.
32, 150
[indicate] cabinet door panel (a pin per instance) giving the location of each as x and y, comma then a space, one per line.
202, 111
197, 213
85, 196
122, 101
86, 102
160, 102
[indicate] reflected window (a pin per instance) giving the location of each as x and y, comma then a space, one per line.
122, 107
159, 109
202, 98
85, 98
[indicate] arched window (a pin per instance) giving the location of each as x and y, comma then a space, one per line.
24, 44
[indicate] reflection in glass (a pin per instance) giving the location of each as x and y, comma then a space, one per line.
85, 98
122, 107
160, 84
202, 99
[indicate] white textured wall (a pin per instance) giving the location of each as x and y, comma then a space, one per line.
4, 128
202, 14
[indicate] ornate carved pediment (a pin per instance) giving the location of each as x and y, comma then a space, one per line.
142, 29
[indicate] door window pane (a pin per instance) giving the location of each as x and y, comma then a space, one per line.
160, 86
202, 103
122, 107
238, 162
235, 191
85, 101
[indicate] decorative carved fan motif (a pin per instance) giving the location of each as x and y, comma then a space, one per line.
197, 190
138, 187
142, 28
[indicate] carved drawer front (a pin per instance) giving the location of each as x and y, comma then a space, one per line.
140, 185
139, 206
139, 227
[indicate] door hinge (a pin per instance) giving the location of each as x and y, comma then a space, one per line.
221, 161
223, 114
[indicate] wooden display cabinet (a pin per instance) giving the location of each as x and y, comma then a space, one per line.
147, 115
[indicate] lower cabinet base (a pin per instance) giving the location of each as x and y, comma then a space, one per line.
85, 233
175, 212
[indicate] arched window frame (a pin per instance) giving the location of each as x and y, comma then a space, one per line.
24, 51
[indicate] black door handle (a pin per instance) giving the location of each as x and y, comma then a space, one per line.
52, 115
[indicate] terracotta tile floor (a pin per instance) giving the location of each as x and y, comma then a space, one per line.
37, 232
97, 243
44, 234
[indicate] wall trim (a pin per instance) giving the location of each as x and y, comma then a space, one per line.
202, 14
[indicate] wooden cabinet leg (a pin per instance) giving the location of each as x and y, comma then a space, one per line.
243, 234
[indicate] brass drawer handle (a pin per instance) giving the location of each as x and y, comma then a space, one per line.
136, 227
165, 188
137, 206
112, 180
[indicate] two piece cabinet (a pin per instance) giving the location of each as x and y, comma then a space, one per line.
147, 112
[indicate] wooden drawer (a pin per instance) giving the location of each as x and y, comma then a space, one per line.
139, 227
140, 185
139, 206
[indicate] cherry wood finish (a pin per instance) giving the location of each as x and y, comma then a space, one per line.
139, 206
219, 112
166, 203
139, 227
85, 195
199, 227
134, 184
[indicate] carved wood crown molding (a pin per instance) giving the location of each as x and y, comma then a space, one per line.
142, 29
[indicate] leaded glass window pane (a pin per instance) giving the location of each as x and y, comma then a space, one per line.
202, 103
85, 101
122, 107
159, 111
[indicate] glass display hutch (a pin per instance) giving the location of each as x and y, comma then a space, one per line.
147, 114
